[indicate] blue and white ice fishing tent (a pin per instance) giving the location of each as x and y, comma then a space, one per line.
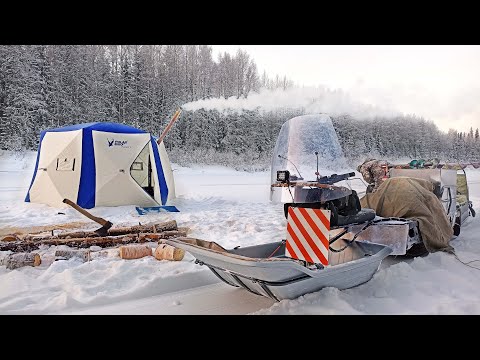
101, 164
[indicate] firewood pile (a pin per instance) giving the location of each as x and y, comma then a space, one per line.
23, 248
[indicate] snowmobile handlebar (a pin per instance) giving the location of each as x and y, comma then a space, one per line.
332, 179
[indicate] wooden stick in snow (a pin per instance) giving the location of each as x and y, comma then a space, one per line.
170, 124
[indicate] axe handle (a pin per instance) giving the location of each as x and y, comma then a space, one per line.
85, 212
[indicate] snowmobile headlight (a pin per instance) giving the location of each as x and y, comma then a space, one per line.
283, 176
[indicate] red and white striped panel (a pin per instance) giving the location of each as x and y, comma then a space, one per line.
308, 234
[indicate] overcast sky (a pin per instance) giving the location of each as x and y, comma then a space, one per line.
440, 83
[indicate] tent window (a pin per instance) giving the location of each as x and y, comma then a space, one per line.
65, 164
138, 166
141, 171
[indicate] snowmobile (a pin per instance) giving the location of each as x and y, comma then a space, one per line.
309, 145
330, 239
318, 251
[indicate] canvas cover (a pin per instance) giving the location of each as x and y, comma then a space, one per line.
58, 168
114, 183
413, 198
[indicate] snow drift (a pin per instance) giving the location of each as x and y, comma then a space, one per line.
233, 209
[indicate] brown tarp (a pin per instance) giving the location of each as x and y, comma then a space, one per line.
413, 198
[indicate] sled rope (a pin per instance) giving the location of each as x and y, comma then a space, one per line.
278, 247
467, 263
349, 242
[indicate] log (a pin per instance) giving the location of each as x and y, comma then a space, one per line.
95, 241
136, 229
10, 238
68, 254
18, 246
183, 228
165, 235
107, 241
168, 252
22, 231
135, 251
14, 261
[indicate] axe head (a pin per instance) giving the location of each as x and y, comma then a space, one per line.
103, 231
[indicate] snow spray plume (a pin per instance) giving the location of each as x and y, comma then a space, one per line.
310, 99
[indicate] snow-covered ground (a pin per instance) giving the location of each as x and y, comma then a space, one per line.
231, 208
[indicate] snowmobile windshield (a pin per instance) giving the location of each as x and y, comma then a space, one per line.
298, 141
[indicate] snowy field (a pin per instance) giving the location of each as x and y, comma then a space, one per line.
231, 208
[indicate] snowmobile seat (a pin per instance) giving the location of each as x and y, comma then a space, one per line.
336, 219
363, 215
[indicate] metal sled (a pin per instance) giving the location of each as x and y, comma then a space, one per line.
265, 270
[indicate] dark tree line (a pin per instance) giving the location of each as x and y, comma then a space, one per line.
48, 86
245, 140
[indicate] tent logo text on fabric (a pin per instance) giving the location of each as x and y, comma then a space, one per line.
114, 142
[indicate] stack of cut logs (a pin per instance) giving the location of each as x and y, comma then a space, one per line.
23, 247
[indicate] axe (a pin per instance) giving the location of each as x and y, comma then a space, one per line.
103, 231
